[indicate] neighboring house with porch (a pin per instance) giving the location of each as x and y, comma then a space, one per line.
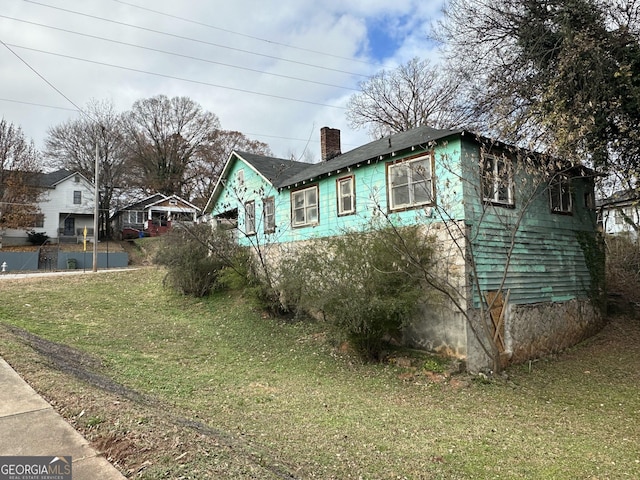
619, 214
153, 216
446, 180
64, 208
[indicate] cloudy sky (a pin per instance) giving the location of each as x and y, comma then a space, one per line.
276, 71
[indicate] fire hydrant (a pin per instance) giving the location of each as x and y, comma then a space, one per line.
4, 267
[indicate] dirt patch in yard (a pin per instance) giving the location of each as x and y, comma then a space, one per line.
135, 432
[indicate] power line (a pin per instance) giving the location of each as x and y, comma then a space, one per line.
174, 53
172, 77
37, 104
8, 47
271, 42
273, 57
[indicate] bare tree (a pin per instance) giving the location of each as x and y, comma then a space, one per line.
209, 161
414, 94
19, 168
72, 145
164, 137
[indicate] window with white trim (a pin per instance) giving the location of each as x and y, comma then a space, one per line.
304, 207
346, 196
250, 217
240, 178
410, 183
269, 213
497, 180
560, 194
136, 216
77, 197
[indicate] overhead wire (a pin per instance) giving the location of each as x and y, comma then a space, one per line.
80, 110
172, 77
42, 77
37, 104
182, 37
175, 54
245, 35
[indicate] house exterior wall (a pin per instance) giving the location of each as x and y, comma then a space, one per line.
551, 265
547, 261
58, 203
438, 326
55, 204
615, 219
370, 194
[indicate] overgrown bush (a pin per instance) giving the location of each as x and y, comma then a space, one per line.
246, 272
368, 283
37, 238
195, 258
623, 267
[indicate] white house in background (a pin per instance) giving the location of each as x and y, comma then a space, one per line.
65, 208
619, 214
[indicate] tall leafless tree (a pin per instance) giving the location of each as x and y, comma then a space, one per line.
19, 167
165, 136
72, 145
206, 167
414, 94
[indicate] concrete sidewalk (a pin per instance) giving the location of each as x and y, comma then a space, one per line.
30, 426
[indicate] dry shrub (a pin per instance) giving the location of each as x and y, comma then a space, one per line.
623, 267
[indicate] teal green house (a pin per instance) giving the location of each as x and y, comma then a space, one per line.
516, 231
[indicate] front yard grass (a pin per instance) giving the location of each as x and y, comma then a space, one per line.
174, 387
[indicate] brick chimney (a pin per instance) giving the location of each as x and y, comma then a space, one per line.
329, 143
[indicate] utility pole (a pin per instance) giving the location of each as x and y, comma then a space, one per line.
96, 213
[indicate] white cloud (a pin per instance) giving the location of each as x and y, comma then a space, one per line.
340, 29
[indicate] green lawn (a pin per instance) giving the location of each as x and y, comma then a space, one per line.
296, 406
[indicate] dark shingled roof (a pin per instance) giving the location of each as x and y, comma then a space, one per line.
50, 179
284, 173
276, 170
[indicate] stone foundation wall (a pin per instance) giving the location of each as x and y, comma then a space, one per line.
536, 330
438, 327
